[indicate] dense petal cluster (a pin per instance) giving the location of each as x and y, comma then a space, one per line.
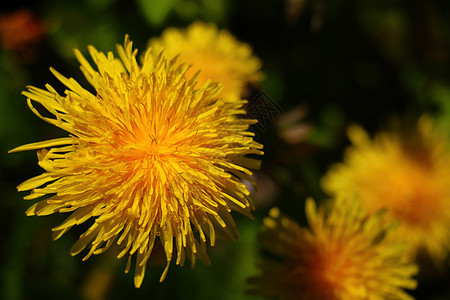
151, 157
346, 254
216, 54
409, 175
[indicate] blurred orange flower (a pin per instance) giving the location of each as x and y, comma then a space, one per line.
408, 174
345, 254
21, 30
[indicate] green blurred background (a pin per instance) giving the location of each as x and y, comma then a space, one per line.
327, 64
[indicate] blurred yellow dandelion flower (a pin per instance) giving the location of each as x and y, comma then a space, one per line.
345, 255
216, 54
150, 155
409, 175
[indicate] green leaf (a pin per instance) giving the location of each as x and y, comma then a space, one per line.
156, 11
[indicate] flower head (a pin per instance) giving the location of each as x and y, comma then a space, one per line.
22, 33
151, 156
345, 255
409, 175
216, 54
20, 29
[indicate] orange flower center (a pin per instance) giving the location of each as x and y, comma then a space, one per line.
410, 192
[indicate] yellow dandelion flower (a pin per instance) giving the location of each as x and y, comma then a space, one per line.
216, 54
409, 175
345, 255
150, 155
